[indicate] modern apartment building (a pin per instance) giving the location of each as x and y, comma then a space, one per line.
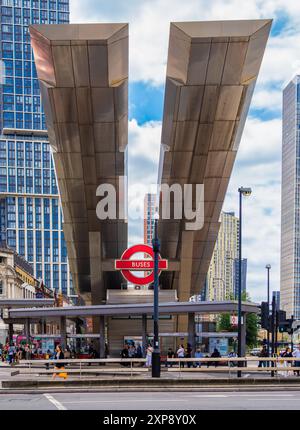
290, 201
220, 276
31, 219
149, 212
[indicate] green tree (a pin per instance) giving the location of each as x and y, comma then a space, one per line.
223, 324
251, 330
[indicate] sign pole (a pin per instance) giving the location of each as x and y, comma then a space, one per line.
156, 351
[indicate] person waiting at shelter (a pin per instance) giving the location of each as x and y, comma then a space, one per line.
263, 353
11, 353
139, 351
198, 354
131, 351
149, 352
124, 354
181, 354
296, 354
232, 354
188, 354
286, 364
215, 354
170, 354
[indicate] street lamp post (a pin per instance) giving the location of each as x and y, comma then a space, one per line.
242, 192
156, 350
268, 267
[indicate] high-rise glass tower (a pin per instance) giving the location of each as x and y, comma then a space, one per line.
290, 201
31, 219
149, 220
220, 276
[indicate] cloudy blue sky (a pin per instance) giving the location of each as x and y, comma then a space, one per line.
258, 163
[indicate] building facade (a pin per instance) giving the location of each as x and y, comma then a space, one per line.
149, 212
276, 294
16, 282
220, 276
290, 201
31, 219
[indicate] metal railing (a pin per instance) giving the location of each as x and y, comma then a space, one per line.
274, 364
34, 366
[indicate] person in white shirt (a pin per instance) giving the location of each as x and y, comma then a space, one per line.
296, 354
149, 352
180, 354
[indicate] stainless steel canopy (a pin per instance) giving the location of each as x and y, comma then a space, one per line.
211, 73
83, 74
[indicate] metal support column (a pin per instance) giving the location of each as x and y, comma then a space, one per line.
144, 333
102, 336
156, 347
192, 332
63, 333
273, 324
27, 330
243, 335
10, 333
78, 331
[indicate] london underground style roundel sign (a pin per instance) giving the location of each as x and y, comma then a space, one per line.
129, 265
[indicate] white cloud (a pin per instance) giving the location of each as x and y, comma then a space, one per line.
270, 99
258, 162
143, 156
149, 30
258, 165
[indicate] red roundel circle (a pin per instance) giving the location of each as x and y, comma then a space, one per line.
127, 265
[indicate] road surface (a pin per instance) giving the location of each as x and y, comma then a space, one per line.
262, 400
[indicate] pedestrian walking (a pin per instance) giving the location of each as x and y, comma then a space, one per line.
59, 355
149, 352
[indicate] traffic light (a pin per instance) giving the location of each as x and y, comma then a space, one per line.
264, 315
280, 316
284, 326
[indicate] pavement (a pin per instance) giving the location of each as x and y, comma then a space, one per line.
153, 401
194, 391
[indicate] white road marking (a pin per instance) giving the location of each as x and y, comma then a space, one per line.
59, 405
